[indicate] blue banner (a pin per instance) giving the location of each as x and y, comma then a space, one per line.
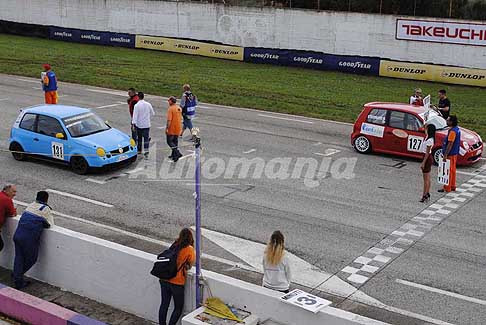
354, 64
93, 37
268, 56
64, 34
118, 39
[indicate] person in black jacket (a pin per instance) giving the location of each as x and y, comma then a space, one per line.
36, 217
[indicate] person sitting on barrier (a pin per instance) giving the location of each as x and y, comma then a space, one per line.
276, 268
34, 219
417, 99
174, 287
7, 208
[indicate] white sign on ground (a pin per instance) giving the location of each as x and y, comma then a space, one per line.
305, 300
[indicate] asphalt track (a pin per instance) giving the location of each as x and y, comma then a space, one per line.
438, 278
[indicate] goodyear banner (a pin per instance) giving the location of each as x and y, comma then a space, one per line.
64, 34
407, 70
268, 56
120, 39
189, 47
93, 37
354, 64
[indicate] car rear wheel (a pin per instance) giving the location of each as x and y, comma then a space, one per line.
437, 156
17, 151
362, 144
79, 165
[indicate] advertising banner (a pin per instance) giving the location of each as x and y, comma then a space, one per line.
441, 32
268, 56
462, 76
64, 34
93, 37
304, 59
354, 64
407, 70
120, 39
189, 47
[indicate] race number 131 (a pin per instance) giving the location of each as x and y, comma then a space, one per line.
57, 150
415, 143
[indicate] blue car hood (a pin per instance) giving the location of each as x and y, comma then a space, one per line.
109, 140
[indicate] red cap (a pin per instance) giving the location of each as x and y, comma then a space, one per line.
46, 66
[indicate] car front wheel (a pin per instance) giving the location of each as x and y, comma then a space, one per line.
79, 165
17, 151
362, 144
437, 156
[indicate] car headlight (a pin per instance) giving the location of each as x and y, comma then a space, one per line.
465, 145
100, 152
132, 142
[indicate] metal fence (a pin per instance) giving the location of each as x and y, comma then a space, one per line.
461, 9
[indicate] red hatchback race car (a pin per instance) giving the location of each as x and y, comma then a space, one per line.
398, 129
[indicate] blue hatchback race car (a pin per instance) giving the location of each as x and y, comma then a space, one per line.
70, 135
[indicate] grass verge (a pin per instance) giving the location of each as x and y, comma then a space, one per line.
322, 94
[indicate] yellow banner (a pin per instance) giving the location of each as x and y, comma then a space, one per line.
189, 47
406, 70
462, 76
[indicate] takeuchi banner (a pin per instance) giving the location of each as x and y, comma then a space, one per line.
189, 47
441, 32
437, 73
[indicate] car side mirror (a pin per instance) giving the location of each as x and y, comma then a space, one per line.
59, 136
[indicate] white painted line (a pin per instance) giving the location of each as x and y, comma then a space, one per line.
249, 151
145, 238
29, 80
205, 107
62, 96
92, 180
136, 170
2, 99
186, 156
415, 315
440, 291
111, 105
37, 88
161, 127
80, 198
107, 91
466, 173
328, 152
317, 144
285, 119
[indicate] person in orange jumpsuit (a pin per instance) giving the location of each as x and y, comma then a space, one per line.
49, 85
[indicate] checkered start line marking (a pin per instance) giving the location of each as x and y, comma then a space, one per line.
375, 258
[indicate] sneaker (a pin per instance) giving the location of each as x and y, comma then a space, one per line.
441, 190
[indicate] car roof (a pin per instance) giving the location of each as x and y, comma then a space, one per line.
397, 106
59, 111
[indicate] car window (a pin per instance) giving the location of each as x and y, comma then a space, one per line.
28, 122
84, 124
48, 126
397, 120
377, 116
413, 123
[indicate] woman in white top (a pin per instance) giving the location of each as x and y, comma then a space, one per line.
426, 165
276, 269
417, 99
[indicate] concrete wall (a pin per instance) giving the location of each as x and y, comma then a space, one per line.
119, 276
329, 32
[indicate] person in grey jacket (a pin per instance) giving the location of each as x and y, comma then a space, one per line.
276, 268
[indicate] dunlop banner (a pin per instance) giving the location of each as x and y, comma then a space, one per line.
462, 76
189, 47
407, 70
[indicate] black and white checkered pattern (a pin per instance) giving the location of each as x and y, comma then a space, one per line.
375, 258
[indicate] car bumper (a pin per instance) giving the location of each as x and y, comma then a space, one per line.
113, 160
470, 157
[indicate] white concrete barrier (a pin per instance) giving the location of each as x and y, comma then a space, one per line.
119, 276
324, 31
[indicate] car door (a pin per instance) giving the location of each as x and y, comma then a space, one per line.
374, 128
405, 133
49, 145
26, 133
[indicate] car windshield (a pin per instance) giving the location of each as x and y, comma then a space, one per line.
84, 124
432, 117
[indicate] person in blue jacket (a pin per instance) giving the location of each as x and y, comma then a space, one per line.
36, 217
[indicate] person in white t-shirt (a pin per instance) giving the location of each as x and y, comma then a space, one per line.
417, 99
142, 114
426, 165
276, 268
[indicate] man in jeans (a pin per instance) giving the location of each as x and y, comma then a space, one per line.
174, 128
7, 208
188, 105
142, 113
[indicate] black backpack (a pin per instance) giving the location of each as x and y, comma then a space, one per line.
165, 268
